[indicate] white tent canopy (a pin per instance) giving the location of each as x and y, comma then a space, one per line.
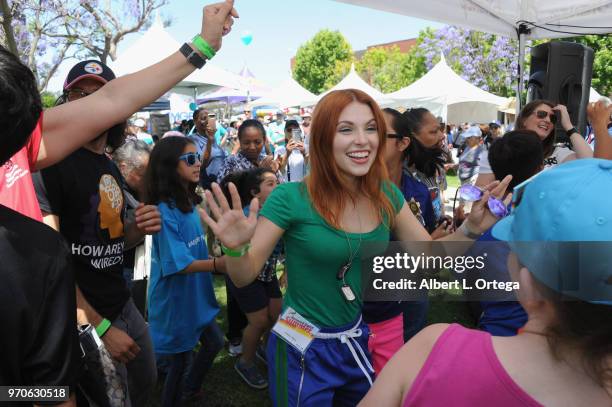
504, 16
448, 95
156, 44
354, 81
288, 94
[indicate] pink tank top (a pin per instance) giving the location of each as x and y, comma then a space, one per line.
463, 370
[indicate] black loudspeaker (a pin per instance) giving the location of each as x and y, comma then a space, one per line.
561, 72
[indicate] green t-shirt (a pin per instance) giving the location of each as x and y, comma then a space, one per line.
315, 251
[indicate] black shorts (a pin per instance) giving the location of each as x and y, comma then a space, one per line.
255, 296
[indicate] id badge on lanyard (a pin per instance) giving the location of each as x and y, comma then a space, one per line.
295, 329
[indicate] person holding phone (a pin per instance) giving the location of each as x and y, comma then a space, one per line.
213, 156
292, 158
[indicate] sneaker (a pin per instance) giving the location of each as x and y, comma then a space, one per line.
261, 354
235, 348
251, 375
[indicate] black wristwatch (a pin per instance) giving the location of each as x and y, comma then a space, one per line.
571, 131
192, 57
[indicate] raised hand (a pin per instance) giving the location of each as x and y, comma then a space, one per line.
480, 218
599, 114
566, 122
217, 21
230, 225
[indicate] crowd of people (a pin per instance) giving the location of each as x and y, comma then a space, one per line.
86, 199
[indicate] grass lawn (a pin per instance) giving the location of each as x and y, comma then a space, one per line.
453, 181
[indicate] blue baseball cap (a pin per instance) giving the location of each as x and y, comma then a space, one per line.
561, 228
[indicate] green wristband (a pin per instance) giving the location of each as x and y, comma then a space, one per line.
236, 252
103, 327
203, 47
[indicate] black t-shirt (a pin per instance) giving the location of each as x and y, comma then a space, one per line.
84, 191
39, 342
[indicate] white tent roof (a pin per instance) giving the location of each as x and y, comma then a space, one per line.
156, 44
504, 16
288, 94
354, 81
448, 95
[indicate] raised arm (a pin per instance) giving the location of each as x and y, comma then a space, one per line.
579, 144
69, 126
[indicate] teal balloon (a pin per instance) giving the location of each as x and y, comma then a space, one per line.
246, 38
193, 106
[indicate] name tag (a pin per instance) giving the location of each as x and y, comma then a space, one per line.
295, 329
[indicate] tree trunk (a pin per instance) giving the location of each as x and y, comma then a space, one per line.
7, 25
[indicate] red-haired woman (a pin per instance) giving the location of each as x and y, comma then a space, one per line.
317, 352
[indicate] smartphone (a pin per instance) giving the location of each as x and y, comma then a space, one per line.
296, 135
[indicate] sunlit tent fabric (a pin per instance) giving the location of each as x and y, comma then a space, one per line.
228, 95
156, 44
504, 16
449, 96
354, 81
288, 94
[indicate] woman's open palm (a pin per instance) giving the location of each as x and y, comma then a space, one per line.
230, 225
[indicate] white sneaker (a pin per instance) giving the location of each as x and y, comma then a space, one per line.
235, 349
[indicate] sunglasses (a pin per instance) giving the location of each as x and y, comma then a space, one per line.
470, 193
395, 136
76, 93
190, 158
541, 114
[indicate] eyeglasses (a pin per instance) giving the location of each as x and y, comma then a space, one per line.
76, 93
395, 136
470, 193
190, 158
541, 114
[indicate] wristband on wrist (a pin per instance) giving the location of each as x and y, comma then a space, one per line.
468, 233
203, 46
103, 327
572, 131
215, 264
238, 252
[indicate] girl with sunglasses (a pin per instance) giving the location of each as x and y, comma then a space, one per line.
317, 352
541, 116
181, 299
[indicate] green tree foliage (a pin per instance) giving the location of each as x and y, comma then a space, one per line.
48, 99
388, 69
320, 62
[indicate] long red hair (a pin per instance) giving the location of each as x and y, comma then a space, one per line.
327, 188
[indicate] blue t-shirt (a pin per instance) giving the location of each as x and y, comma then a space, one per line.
419, 200
180, 305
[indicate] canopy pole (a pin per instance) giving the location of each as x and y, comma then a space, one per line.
523, 31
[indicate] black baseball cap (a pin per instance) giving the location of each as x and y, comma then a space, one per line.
89, 69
